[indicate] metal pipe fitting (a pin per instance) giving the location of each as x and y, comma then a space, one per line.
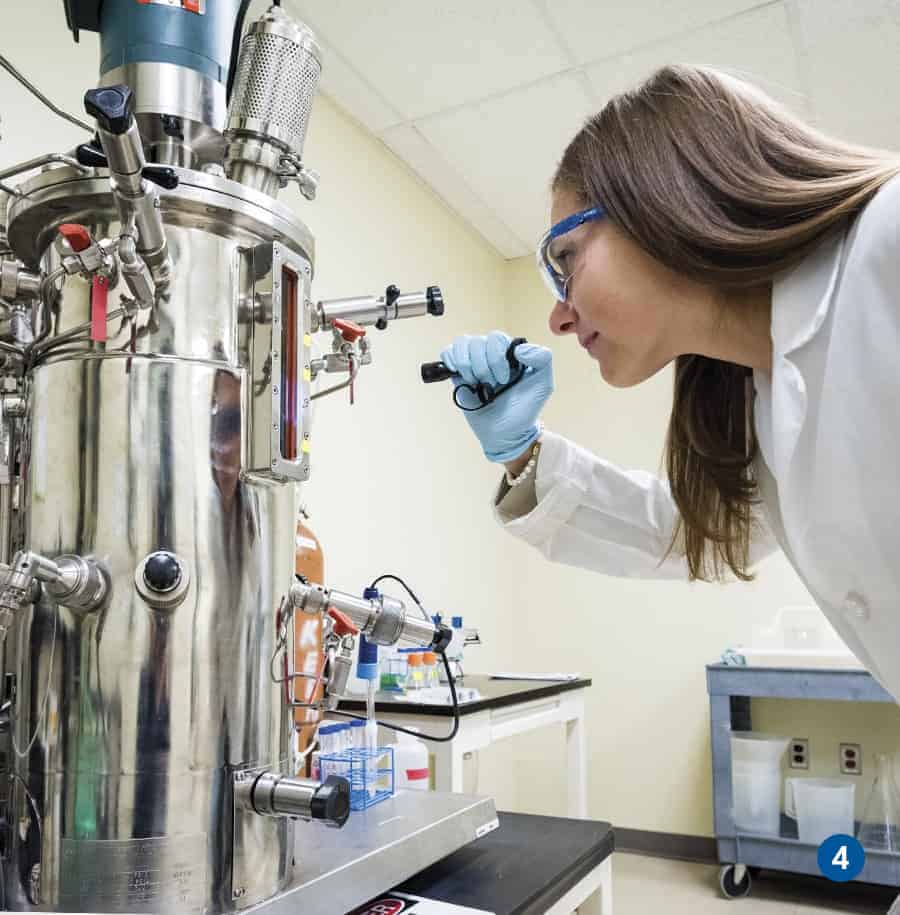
383, 620
273, 795
17, 282
41, 161
136, 198
341, 667
80, 584
380, 310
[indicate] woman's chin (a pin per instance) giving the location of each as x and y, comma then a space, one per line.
620, 376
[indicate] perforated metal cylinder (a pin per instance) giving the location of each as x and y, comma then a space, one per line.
277, 75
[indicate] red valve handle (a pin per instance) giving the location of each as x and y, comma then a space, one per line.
349, 330
77, 236
343, 625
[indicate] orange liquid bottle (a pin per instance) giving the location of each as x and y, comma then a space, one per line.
308, 629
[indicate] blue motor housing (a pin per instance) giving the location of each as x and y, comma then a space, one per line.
196, 35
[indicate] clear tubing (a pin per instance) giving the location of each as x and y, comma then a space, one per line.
371, 739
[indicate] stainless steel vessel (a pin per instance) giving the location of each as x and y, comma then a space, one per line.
142, 714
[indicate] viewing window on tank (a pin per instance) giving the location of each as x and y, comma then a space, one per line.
290, 376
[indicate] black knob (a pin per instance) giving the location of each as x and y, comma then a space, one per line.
112, 106
442, 638
435, 301
161, 175
332, 801
90, 155
162, 572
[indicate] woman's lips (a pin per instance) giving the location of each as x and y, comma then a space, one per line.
587, 342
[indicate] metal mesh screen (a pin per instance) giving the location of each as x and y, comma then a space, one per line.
275, 84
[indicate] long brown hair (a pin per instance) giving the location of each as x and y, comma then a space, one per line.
722, 184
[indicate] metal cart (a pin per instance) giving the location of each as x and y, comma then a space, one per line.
742, 855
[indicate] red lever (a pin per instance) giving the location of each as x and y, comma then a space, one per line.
99, 298
350, 331
77, 236
343, 625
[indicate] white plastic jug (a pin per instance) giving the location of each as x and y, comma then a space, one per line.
756, 781
822, 807
757, 798
411, 769
756, 747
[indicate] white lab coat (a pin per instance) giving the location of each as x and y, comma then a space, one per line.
828, 425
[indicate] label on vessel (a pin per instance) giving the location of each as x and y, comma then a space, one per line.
134, 875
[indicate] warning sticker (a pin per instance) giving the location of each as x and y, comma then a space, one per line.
397, 903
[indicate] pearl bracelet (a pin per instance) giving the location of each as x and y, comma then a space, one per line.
526, 470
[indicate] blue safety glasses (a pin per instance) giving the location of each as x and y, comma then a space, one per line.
554, 255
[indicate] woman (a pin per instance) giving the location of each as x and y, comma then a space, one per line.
695, 220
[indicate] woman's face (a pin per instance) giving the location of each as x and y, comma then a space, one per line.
623, 305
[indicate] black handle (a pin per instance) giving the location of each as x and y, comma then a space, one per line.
331, 802
437, 371
112, 107
88, 154
161, 175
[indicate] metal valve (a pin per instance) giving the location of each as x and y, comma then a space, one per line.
379, 311
80, 253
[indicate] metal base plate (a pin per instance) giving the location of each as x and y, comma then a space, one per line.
340, 869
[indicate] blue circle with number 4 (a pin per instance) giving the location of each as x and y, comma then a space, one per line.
841, 858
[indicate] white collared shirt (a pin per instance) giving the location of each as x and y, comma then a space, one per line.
828, 425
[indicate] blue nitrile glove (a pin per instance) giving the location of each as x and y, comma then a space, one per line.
509, 425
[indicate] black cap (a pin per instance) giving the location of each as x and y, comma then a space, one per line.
442, 638
162, 572
435, 371
331, 802
435, 301
112, 106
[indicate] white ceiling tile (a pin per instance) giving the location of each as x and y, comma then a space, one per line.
428, 57
755, 46
345, 86
595, 31
849, 55
431, 167
507, 148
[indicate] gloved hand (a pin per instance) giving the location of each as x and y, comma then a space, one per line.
509, 425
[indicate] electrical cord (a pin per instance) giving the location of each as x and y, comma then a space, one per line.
5, 63
450, 681
430, 737
43, 712
235, 47
405, 586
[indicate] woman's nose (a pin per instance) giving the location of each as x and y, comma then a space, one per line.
563, 319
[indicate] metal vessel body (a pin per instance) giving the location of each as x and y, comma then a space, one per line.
152, 441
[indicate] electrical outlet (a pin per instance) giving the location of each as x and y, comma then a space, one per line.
851, 759
799, 753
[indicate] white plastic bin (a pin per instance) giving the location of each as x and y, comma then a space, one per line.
822, 807
756, 780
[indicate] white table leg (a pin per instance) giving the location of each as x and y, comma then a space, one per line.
474, 734
576, 757
591, 896
448, 766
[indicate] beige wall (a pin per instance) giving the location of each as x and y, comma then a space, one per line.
388, 493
